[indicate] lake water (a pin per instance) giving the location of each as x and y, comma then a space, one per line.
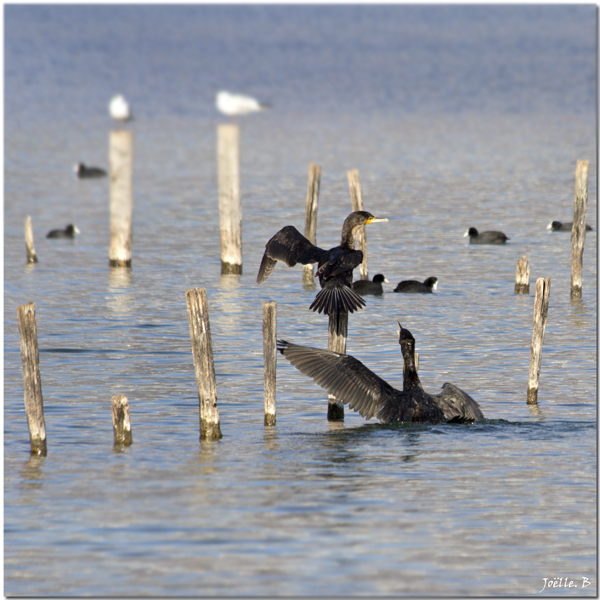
455, 116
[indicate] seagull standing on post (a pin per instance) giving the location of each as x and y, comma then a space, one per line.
236, 104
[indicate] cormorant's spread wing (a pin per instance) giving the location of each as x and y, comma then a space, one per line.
342, 376
340, 261
290, 247
458, 405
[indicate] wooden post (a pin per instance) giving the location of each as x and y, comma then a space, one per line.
121, 198
270, 354
578, 231
121, 420
338, 333
310, 222
357, 204
230, 205
197, 309
31, 255
522, 276
540, 314
32, 379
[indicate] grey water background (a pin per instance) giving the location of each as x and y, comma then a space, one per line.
455, 116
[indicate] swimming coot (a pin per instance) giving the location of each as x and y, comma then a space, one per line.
335, 265
67, 233
486, 237
410, 286
346, 378
558, 226
84, 172
365, 287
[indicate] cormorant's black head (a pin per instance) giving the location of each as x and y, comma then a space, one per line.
353, 221
406, 338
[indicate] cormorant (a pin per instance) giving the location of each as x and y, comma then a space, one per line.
335, 265
84, 172
68, 232
410, 286
375, 287
486, 237
346, 378
558, 226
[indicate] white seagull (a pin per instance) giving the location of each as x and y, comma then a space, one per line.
119, 109
236, 104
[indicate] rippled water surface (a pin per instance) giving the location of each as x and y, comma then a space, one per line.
455, 117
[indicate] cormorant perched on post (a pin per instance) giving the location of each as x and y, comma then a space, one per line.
346, 378
335, 265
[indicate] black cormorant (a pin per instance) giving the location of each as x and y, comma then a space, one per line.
68, 232
375, 287
335, 266
410, 286
558, 226
346, 378
84, 172
486, 237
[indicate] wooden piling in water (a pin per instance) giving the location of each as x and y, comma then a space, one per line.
310, 222
270, 356
197, 309
31, 255
578, 231
121, 198
522, 276
357, 204
121, 420
32, 379
338, 334
230, 205
540, 314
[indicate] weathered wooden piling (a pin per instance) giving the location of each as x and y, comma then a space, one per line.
121, 198
121, 420
540, 314
197, 309
310, 222
270, 356
338, 334
357, 204
522, 276
230, 204
32, 379
578, 231
31, 255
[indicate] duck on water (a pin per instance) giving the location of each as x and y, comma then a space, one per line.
352, 383
335, 266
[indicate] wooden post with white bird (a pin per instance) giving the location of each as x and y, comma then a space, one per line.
578, 230
230, 205
31, 255
197, 309
540, 315
357, 204
32, 379
121, 198
310, 222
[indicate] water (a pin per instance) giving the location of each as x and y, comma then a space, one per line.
455, 117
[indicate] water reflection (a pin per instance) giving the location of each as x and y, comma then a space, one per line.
120, 278
32, 473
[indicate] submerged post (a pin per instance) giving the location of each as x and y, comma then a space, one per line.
578, 231
230, 205
357, 204
338, 333
310, 222
121, 420
121, 198
32, 379
197, 309
522, 276
540, 314
31, 255
270, 354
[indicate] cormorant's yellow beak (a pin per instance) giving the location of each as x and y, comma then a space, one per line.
375, 220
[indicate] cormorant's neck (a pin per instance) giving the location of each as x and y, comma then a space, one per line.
411, 378
348, 233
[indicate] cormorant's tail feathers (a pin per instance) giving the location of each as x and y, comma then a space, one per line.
337, 300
